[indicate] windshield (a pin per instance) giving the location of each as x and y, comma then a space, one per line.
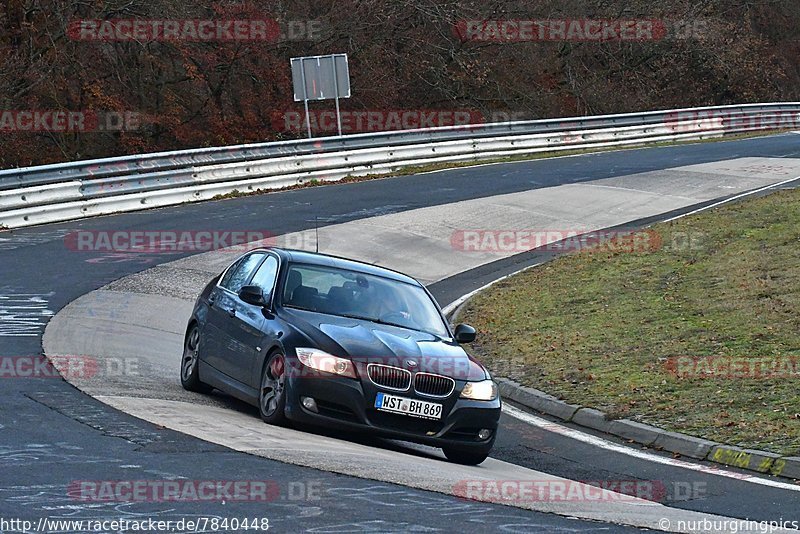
362, 296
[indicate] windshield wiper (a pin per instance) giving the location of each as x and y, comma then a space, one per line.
379, 321
359, 317
375, 320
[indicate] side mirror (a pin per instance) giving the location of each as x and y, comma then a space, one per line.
253, 295
465, 333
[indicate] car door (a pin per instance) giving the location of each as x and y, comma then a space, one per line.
250, 324
221, 346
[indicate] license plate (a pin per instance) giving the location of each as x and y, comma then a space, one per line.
402, 405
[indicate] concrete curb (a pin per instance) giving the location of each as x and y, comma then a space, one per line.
650, 436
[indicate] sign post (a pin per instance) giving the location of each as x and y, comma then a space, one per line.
321, 78
305, 101
336, 88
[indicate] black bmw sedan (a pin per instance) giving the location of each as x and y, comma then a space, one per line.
311, 338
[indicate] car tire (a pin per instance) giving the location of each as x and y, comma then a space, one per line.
190, 363
464, 456
272, 393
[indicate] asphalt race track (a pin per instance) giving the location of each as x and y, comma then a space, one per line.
54, 435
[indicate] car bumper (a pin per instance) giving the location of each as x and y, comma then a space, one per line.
345, 403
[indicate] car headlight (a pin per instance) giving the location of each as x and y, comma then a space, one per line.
327, 363
485, 390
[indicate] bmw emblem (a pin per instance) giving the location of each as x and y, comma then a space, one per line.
412, 363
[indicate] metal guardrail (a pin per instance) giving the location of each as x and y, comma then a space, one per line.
61, 192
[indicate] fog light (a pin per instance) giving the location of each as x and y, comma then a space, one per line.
309, 404
484, 433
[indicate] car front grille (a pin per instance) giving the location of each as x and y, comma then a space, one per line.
389, 377
433, 385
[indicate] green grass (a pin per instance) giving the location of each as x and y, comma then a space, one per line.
600, 328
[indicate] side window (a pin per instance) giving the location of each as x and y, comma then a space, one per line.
226, 278
265, 276
237, 275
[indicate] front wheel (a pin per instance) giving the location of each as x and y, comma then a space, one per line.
272, 394
190, 364
464, 456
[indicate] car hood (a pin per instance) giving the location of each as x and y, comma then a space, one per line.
367, 342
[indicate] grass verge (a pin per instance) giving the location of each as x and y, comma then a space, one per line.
700, 335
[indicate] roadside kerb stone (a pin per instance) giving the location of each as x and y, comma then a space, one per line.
787, 466
684, 444
635, 431
650, 436
538, 400
595, 419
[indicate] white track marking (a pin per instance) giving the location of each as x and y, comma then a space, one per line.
735, 197
636, 453
450, 308
24, 314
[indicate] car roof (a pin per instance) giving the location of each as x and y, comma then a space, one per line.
313, 258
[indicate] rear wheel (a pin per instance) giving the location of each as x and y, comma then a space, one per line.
272, 395
465, 456
190, 364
